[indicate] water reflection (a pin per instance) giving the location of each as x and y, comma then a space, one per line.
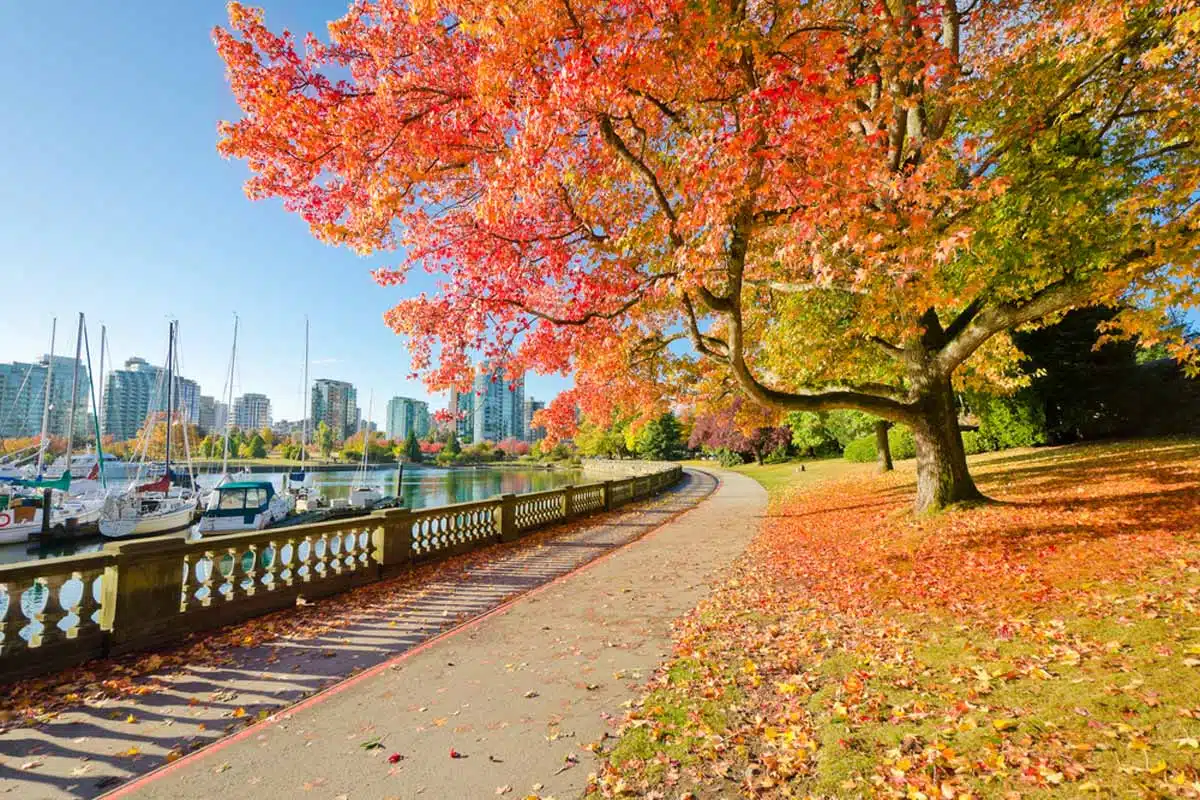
421, 487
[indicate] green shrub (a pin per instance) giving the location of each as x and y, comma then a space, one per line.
974, 442
777, 456
728, 458
1017, 421
860, 451
900, 441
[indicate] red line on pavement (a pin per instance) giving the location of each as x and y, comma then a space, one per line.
128, 788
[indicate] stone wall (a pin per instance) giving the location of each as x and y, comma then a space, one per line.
600, 468
149, 592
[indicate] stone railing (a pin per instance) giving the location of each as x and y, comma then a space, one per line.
147, 592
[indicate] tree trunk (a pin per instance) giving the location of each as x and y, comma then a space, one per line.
758, 456
883, 448
942, 474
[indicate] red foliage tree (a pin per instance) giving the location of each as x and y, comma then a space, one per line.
836, 204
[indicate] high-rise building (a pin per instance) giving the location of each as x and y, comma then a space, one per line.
531, 433
207, 419
252, 412
220, 417
334, 403
23, 393
132, 392
499, 405
404, 415
187, 400
462, 413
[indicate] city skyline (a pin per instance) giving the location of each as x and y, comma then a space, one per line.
123, 199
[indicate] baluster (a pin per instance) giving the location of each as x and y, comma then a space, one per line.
185, 585
287, 569
52, 612
87, 603
270, 570
13, 621
249, 574
39, 602
310, 560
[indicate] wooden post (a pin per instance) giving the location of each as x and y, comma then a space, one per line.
608, 498
47, 505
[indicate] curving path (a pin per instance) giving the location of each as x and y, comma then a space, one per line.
517, 694
514, 692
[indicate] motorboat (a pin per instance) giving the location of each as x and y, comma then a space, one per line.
244, 506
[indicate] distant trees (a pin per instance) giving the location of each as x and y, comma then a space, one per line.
719, 432
255, 447
660, 439
412, 448
324, 439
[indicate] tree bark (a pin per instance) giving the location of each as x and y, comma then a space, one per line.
883, 448
942, 474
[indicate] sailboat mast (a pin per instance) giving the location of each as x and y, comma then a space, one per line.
46, 400
366, 429
100, 401
74, 393
170, 395
87, 348
229, 399
305, 400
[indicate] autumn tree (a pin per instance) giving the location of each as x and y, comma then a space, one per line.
324, 439
839, 205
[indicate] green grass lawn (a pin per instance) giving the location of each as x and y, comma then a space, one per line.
782, 479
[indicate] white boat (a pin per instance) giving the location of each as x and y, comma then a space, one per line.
84, 465
21, 515
146, 513
157, 507
244, 506
363, 495
305, 496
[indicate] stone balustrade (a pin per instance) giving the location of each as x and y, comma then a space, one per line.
148, 592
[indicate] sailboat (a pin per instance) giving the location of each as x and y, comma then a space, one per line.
306, 496
157, 506
363, 495
21, 510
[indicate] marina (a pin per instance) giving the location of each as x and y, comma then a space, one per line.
421, 487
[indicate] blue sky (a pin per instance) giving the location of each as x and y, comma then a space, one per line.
114, 202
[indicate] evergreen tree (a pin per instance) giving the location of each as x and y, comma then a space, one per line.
412, 448
660, 439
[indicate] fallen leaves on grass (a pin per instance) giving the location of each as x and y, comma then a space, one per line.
1038, 645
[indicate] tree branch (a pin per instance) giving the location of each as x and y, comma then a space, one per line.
990, 320
615, 141
799, 288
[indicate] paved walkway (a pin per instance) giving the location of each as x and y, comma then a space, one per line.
516, 695
466, 691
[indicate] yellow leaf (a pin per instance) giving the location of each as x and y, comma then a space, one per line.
174, 755
239, 712
1159, 768
131, 719
1003, 725
130, 753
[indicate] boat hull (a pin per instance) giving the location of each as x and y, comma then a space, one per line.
149, 524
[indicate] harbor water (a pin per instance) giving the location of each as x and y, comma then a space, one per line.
421, 487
